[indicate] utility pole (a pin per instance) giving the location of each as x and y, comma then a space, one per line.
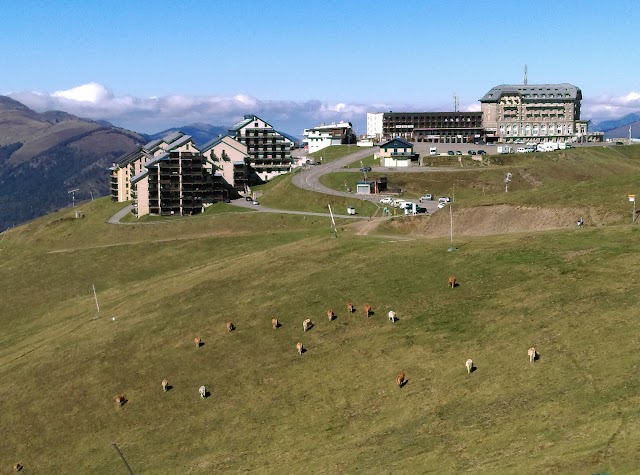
507, 179
95, 296
333, 223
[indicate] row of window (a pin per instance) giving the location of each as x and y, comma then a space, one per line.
536, 129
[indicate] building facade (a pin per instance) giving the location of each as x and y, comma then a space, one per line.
324, 136
396, 153
227, 157
527, 112
268, 150
374, 125
435, 127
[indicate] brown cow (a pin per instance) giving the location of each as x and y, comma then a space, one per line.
400, 379
299, 347
230, 326
198, 341
452, 281
274, 323
330, 314
120, 399
17, 467
367, 310
349, 307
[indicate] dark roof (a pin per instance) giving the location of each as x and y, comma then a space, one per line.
139, 176
179, 142
397, 142
247, 120
153, 144
156, 159
129, 157
212, 143
530, 89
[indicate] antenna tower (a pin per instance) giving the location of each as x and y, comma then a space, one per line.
73, 196
455, 102
525, 75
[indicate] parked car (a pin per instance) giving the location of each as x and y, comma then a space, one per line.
471, 152
398, 203
386, 201
458, 152
450, 152
444, 199
442, 205
481, 152
255, 202
521, 150
365, 169
248, 198
226, 200
427, 197
421, 210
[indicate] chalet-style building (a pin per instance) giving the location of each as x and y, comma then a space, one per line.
326, 135
397, 152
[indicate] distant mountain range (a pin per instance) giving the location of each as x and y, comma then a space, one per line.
619, 128
201, 133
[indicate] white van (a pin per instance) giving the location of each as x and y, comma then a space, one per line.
433, 151
521, 150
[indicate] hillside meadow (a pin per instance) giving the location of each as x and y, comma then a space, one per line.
336, 409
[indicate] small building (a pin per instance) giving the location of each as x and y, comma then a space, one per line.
365, 187
396, 153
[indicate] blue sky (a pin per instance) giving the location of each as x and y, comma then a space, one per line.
150, 65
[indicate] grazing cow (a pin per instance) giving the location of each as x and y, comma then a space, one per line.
330, 314
400, 379
299, 347
120, 399
469, 365
532, 354
203, 392
367, 310
392, 316
17, 467
274, 323
230, 326
165, 385
198, 341
349, 307
307, 324
452, 281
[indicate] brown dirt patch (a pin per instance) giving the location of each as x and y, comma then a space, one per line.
501, 219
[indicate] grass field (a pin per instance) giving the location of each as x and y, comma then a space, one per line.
333, 152
280, 193
335, 409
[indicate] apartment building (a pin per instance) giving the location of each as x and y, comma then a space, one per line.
374, 125
436, 127
269, 152
132, 163
228, 158
326, 135
528, 112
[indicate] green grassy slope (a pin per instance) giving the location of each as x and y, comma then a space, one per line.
336, 408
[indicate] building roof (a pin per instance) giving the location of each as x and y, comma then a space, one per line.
563, 90
234, 144
139, 176
154, 144
397, 142
172, 137
246, 121
129, 157
178, 142
334, 125
156, 159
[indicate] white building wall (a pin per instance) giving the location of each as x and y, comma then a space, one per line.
374, 125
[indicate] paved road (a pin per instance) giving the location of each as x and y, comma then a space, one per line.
115, 219
243, 203
310, 179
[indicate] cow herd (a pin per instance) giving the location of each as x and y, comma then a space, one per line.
307, 324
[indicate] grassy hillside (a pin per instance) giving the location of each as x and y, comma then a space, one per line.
595, 176
336, 408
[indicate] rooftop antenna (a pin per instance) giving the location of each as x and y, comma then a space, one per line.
525, 75
73, 196
455, 102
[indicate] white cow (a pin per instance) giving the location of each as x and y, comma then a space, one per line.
307, 324
392, 316
469, 365
532, 354
203, 392
165, 384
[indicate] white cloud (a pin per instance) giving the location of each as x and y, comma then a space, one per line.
610, 107
152, 114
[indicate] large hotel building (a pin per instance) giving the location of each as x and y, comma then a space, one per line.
509, 113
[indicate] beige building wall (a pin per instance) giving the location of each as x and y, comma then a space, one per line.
235, 151
142, 192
